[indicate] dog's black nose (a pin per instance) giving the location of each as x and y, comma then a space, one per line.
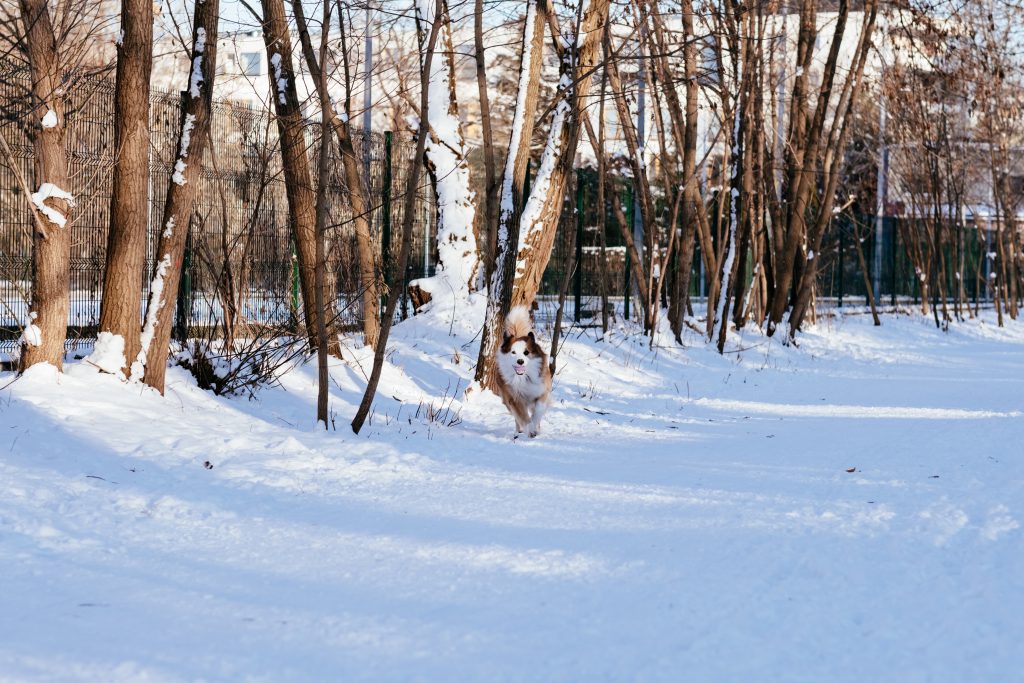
521, 361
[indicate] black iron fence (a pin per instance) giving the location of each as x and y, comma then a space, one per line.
240, 221
841, 273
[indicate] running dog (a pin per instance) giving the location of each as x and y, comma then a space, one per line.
523, 379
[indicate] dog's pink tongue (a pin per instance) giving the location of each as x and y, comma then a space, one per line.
520, 370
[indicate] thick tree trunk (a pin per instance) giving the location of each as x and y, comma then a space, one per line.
129, 201
538, 224
151, 361
46, 326
507, 239
445, 160
297, 173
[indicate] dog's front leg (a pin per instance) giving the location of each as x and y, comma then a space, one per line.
539, 408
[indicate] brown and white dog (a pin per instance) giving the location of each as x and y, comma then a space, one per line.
523, 379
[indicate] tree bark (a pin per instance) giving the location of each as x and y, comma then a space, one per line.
297, 173
490, 172
151, 361
129, 201
445, 160
365, 247
410, 203
539, 221
46, 327
504, 249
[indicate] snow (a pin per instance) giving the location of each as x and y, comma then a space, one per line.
196, 77
31, 335
186, 134
685, 515
518, 119
445, 151
108, 354
49, 119
280, 80
179, 172
46, 191
156, 302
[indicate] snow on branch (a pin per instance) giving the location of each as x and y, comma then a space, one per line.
47, 191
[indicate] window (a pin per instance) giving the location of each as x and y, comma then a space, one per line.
251, 64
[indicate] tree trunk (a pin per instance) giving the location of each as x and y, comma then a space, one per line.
297, 173
151, 361
445, 160
507, 239
322, 207
47, 324
538, 224
490, 173
365, 248
410, 202
129, 201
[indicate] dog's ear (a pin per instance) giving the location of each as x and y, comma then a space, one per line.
530, 338
506, 342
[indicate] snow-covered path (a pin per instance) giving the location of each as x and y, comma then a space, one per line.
684, 516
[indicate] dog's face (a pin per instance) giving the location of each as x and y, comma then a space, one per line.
521, 354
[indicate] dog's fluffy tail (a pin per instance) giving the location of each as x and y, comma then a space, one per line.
517, 322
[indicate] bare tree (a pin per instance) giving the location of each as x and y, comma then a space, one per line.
579, 44
354, 182
428, 48
294, 157
151, 362
129, 201
46, 327
505, 245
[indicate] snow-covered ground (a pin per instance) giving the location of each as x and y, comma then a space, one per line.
848, 510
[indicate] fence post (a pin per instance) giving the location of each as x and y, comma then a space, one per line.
578, 278
893, 236
295, 287
183, 312
842, 245
385, 245
628, 262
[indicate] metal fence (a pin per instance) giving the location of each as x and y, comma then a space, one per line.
840, 274
240, 220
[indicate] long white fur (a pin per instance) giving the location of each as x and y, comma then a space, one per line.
527, 385
517, 322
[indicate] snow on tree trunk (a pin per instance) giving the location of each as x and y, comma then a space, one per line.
151, 360
445, 156
721, 313
513, 178
538, 224
46, 326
